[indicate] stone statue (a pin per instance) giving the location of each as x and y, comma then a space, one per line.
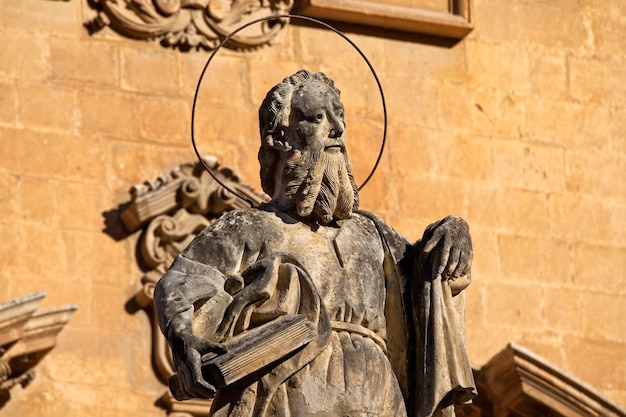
307, 306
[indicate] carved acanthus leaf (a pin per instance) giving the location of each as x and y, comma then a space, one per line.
192, 23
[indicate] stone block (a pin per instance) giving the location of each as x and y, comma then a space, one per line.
165, 120
431, 197
84, 62
475, 304
558, 122
548, 74
37, 200
461, 154
607, 28
108, 113
149, 70
514, 210
508, 113
524, 212
597, 128
51, 154
23, 56
109, 264
563, 307
547, 344
580, 217
59, 18
410, 149
588, 78
363, 142
456, 106
618, 224
525, 259
519, 305
45, 256
9, 203
529, 166
8, 104
492, 24
484, 342
426, 61
48, 107
78, 205
417, 105
617, 128
486, 265
597, 362
11, 236
223, 80
501, 66
594, 172
130, 163
544, 24
604, 315
599, 268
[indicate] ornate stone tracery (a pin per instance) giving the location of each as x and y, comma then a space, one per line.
191, 23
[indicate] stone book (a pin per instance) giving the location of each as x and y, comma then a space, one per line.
251, 351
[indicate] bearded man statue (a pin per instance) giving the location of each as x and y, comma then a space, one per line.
385, 318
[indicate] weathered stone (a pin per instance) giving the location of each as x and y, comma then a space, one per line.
309, 254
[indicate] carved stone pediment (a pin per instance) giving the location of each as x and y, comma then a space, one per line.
26, 336
191, 23
170, 211
517, 382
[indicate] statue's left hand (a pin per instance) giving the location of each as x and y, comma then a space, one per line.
456, 246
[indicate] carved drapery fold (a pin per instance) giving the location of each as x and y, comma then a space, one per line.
26, 336
191, 23
170, 211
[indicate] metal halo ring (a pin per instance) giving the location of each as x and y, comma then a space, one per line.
276, 17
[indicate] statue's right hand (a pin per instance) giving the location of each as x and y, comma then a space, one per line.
187, 352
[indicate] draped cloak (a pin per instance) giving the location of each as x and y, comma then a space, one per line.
390, 330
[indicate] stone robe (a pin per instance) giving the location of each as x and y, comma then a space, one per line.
354, 281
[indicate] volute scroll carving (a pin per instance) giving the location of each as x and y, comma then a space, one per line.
190, 24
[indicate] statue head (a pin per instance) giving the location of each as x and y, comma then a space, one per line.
303, 158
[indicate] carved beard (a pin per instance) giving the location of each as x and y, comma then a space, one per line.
320, 184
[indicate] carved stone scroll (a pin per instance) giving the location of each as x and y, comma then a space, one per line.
191, 23
26, 336
170, 211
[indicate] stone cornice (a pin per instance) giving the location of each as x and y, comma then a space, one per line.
26, 336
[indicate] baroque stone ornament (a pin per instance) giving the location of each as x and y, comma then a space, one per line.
170, 211
27, 334
306, 305
518, 382
191, 23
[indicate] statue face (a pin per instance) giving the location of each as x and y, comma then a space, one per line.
317, 116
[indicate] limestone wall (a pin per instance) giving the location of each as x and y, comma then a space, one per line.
519, 128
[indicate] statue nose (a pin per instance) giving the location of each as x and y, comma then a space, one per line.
336, 128
336, 132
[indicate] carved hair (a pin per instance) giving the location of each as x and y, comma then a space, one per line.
274, 116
